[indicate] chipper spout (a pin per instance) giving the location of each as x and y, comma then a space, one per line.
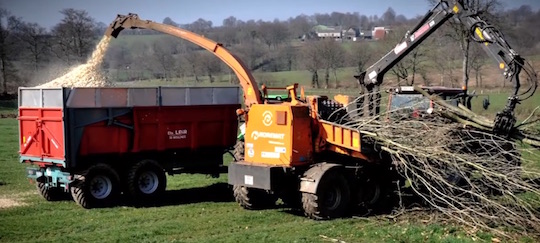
122, 22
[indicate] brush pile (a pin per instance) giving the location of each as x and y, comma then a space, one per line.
456, 165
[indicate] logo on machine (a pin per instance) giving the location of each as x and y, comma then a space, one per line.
177, 134
267, 118
256, 135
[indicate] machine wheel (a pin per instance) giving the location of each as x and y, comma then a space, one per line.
146, 179
239, 151
100, 187
331, 199
292, 199
252, 198
369, 193
50, 193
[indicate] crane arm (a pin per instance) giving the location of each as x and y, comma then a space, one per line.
249, 86
436, 17
493, 42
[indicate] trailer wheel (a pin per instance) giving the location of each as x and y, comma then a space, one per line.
146, 179
50, 193
239, 151
253, 198
331, 199
100, 187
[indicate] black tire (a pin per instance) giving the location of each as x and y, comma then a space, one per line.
51, 193
292, 199
369, 193
146, 180
331, 200
252, 198
100, 187
239, 151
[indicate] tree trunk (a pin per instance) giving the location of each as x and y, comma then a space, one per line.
211, 77
477, 80
481, 82
465, 48
289, 64
415, 55
315, 79
4, 72
335, 78
326, 78
36, 58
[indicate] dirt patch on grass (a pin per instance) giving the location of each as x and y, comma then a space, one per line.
8, 116
15, 199
9, 203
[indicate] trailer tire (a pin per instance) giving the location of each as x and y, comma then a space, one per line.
239, 151
253, 198
146, 179
100, 187
331, 200
50, 193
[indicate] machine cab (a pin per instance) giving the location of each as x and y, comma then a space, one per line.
405, 102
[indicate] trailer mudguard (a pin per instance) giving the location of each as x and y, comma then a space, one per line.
311, 178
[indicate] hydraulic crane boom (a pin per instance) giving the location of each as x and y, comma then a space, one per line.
250, 89
509, 61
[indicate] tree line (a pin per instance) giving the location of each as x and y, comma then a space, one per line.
30, 53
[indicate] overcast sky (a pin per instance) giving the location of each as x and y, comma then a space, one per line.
46, 12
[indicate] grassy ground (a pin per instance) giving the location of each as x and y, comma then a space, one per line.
8, 107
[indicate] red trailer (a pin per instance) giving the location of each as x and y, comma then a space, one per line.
99, 142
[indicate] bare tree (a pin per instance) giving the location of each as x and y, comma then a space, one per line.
299, 26
193, 59
389, 17
252, 54
360, 55
477, 62
461, 33
8, 26
162, 52
409, 66
312, 61
273, 33
210, 64
200, 26
75, 35
333, 57
35, 39
443, 56
229, 31
288, 54
169, 21
139, 50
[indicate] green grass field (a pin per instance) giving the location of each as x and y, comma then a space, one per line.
197, 208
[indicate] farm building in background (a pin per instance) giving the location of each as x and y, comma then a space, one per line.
351, 33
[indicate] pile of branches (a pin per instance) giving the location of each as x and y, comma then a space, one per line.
452, 161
